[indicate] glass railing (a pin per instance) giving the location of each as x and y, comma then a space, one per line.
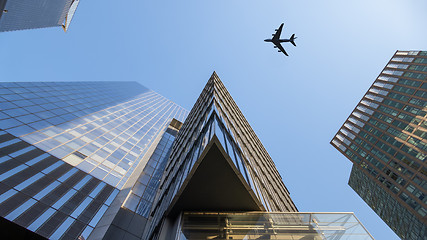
277, 225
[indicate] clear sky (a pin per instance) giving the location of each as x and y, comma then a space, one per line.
295, 104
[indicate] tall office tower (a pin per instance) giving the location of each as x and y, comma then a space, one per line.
217, 164
29, 14
71, 152
220, 183
385, 138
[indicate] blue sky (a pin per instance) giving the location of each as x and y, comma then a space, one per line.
295, 104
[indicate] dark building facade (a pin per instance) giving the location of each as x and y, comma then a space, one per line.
29, 14
115, 160
385, 138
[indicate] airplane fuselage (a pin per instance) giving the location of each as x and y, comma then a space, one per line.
278, 40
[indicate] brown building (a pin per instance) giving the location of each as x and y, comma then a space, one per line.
246, 179
385, 138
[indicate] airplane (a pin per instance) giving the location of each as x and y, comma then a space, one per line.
277, 41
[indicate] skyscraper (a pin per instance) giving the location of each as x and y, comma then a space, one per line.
69, 149
220, 183
385, 138
217, 147
113, 160
28, 14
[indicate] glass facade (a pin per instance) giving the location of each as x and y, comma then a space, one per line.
216, 115
143, 192
28, 14
107, 160
67, 149
385, 138
102, 128
262, 225
386, 206
47, 196
212, 127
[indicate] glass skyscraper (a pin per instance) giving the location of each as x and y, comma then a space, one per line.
28, 14
68, 149
115, 160
385, 138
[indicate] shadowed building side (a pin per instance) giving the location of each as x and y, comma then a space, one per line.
2, 5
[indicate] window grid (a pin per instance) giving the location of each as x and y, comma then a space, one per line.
391, 146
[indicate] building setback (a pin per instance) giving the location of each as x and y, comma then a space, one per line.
385, 138
115, 160
29, 14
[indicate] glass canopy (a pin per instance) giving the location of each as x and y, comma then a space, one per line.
266, 225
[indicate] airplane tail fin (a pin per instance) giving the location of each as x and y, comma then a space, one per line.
292, 39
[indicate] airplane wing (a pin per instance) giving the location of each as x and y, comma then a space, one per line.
279, 46
278, 32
